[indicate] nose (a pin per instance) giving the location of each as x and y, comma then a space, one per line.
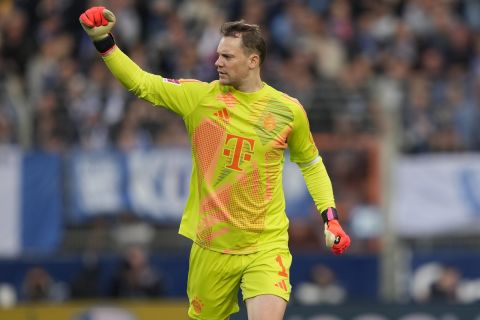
218, 62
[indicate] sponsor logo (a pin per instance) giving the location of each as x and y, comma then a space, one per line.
223, 114
239, 154
282, 285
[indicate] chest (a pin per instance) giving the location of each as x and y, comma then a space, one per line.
264, 123
235, 135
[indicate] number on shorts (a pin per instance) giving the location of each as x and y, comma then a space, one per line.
282, 273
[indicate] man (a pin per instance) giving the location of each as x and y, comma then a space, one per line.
239, 128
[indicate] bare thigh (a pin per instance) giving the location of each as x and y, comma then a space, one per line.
266, 307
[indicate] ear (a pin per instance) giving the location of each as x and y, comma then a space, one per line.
253, 61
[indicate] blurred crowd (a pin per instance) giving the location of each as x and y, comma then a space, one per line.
435, 282
132, 276
350, 63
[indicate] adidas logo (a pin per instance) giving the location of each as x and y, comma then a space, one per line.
282, 285
223, 114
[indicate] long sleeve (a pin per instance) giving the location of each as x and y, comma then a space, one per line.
318, 184
180, 96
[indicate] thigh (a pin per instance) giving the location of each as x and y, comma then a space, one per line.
268, 273
213, 283
266, 307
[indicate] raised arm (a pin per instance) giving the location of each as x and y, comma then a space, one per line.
177, 95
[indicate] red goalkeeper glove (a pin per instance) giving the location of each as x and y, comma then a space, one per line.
335, 237
97, 23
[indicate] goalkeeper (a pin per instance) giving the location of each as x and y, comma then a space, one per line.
239, 128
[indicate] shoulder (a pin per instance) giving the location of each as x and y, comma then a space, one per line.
287, 100
193, 84
213, 85
292, 101
189, 81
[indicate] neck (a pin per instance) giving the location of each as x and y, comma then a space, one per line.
252, 84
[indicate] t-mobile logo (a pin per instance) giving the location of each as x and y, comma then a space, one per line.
238, 153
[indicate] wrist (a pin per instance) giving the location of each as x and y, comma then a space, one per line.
329, 214
99, 37
105, 43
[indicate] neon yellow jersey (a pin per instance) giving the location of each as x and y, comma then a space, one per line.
236, 203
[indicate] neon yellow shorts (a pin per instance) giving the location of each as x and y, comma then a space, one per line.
214, 279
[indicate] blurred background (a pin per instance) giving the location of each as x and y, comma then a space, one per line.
93, 180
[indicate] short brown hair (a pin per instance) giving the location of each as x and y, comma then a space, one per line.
249, 33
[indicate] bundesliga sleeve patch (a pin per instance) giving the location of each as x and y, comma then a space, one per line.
173, 81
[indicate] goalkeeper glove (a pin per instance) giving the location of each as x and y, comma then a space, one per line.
97, 23
335, 237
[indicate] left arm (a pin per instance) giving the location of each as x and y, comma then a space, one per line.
304, 152
318, 183
320, 188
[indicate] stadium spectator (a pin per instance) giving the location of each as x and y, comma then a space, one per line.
39, 286
323, 288
86, 284
135, 278
445, 288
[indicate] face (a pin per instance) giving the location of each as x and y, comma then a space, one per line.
233, 64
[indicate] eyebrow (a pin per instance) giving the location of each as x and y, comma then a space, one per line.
226, 54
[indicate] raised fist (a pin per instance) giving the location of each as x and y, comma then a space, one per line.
97, 22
